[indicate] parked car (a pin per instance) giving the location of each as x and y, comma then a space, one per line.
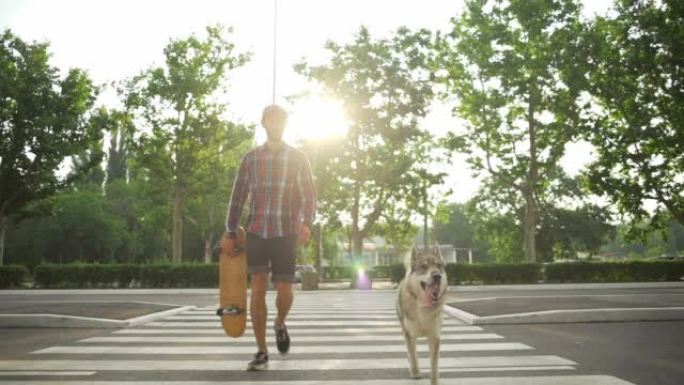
302, 268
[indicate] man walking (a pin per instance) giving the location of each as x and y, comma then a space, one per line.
278, 182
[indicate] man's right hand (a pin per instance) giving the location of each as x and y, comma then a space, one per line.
228, 246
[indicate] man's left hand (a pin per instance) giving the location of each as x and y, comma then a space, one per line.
304, 234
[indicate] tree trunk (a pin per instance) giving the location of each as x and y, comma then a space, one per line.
425, 220
357, 243
530, 229
209, 240
177, 235
3, 228
531, 210
319, 249
207, 248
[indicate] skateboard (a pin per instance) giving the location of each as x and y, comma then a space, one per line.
233, 288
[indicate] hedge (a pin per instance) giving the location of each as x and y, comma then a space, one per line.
179, 275
630, 271
394, 272
165, 275
12, 276
488, 274
491, 274
82, 275
339, 272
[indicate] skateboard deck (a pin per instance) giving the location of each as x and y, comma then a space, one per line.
233, 288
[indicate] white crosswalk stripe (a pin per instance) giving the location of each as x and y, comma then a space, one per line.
327, 331
297, 336
334, 342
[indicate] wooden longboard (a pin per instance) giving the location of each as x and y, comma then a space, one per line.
233, 288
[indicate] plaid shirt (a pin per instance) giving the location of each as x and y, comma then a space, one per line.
280, 190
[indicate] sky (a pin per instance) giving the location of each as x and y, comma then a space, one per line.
114, 40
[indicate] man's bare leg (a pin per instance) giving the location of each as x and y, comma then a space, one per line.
283, 301
258, 309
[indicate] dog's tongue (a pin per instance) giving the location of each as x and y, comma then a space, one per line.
432, 294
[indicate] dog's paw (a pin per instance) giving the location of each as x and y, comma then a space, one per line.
414, 374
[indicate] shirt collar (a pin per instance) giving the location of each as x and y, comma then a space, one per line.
264, 147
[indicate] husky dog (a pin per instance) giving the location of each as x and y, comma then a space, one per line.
420, 299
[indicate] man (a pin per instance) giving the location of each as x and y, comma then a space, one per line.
277, 179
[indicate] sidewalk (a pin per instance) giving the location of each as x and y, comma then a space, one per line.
571, 303
116, 308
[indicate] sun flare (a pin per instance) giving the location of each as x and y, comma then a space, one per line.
317, 118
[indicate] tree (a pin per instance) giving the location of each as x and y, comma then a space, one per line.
178, 103
121, 128
385, 90
500, 234
515, 69
213, 180
396, 228
42, 123
564, 232
86, 169
637, 77
654, 243
453, 227
78, 227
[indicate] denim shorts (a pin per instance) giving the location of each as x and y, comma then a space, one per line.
276, 255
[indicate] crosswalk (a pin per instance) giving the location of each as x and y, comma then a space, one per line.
338, 338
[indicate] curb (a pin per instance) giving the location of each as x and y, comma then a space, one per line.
571, 316
47, 320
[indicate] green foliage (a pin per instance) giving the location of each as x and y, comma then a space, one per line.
79, 226
188, 149
165, 275
565, 232
331, 247
12, 276
493, 274
515, 69
179, 275
453, 226
502, 236
339, 272
42, 122
85, 275
653, 243
636, 77
631, 271
121, 128
382, 163
394, 272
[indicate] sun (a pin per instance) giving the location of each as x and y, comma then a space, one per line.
317, 118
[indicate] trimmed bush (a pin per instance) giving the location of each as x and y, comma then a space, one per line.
491, 274
12, 276
167, 275
85, 275
629, 271
339, 272
82, 275
179, 275
394, 272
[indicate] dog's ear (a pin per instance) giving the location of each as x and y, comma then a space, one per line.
414, 256
437, 251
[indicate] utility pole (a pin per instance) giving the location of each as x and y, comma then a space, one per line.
425, 218
275, 45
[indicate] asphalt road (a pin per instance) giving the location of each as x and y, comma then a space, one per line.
340, 338
647, 353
